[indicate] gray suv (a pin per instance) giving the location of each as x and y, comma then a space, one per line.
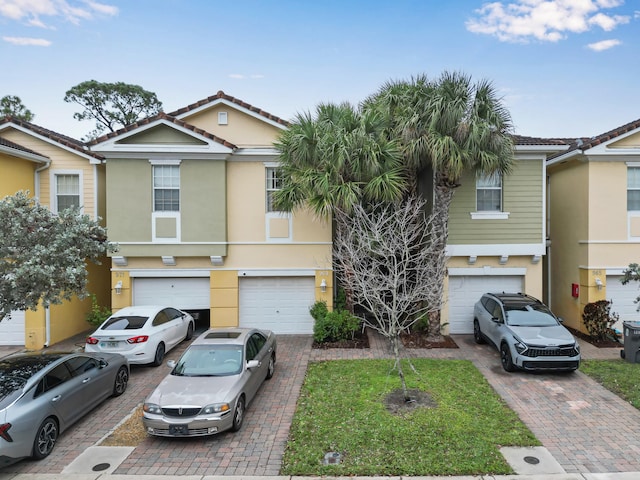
525, 332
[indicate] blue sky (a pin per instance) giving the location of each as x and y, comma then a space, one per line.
565, 68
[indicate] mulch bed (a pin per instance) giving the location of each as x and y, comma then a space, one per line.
360, 340
595, 343
421, 340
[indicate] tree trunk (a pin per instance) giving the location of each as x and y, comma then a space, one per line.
395, 342
443, 194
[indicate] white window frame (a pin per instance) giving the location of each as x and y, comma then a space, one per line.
490, 214
274, 213
269, 190
53, 180
175, 214
630, 166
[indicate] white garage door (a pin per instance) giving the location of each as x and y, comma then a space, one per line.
623, 297
183, 293
12, 329
280, 304
465, 291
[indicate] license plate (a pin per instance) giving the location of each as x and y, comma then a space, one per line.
178, 429
109, 344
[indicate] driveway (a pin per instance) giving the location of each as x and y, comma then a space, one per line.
584, 427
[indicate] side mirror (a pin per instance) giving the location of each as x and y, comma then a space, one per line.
253, 364
171, 364
102, 363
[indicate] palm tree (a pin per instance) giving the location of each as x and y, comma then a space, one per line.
450, 126
338, 158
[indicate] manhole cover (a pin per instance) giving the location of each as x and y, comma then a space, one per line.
532, 460
331, 458
101, 466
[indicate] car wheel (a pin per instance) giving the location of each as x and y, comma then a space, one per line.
238, 414
157, 360
272, 366
477, 334
189, 334
45, 439
121, 381
505, 358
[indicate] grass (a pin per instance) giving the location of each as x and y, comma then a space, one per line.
342, 409
617, 376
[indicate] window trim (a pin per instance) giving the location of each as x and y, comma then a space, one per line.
165, 163
267, 190
53, 185
635, 166
490, 214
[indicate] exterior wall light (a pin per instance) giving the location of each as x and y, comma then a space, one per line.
323, 285
118, 287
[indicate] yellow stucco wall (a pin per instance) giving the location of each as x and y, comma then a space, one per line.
16, 174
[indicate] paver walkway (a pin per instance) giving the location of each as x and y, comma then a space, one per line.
585, 428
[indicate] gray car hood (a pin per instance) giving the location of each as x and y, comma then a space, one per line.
177, 390
545, 336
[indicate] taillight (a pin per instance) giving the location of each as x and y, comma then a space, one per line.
92, 340
138, 339
4, 432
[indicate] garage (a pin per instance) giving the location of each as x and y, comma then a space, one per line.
185, 293
623, 298
280, 304
12, 329
466, 290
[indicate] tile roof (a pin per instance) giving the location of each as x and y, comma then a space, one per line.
155, 118
8, 143
68, 142
223, 96
586, 143
522, 140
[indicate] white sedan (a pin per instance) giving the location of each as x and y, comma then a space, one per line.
143, 334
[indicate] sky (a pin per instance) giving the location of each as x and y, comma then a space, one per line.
563, 68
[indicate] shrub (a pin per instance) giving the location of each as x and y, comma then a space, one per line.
332, 326
598, 320
97, 314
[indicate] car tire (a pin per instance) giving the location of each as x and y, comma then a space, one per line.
45, 438
159, 356
121, 381
189, 334
272, 366
477, 334
505, 358
238, 414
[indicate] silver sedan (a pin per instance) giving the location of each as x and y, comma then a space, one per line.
42, 394
212, 383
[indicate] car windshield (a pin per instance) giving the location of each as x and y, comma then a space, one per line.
529, 316
129, 322
209, 361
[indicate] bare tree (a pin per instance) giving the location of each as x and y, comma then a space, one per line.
391, 264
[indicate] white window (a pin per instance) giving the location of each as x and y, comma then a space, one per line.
166, 188
633, 188
67, 191
489, 193
274, 183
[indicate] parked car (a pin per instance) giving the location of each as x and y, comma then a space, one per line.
212, 384
525, 332
42, 394
143, 333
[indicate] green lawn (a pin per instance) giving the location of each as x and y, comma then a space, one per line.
617, 376
341, 409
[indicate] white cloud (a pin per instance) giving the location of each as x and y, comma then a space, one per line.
32, 11
241, 76
603, 45
544, 20
24, 41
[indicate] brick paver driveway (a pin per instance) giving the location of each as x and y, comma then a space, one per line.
585, 427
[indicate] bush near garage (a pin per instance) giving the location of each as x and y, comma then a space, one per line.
599, 320
97, 314
333, 326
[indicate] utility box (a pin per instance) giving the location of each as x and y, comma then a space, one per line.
631, 332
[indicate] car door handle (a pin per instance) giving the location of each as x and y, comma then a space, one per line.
86, 380
56, 398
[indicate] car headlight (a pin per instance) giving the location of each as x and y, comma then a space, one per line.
152, 408
519, 346
577, 347
216, 408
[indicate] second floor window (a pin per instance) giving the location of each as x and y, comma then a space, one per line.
67, 191
489, 193
274, 183
166, 188
633, 188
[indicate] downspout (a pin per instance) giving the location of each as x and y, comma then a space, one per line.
47, 312
548, 243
